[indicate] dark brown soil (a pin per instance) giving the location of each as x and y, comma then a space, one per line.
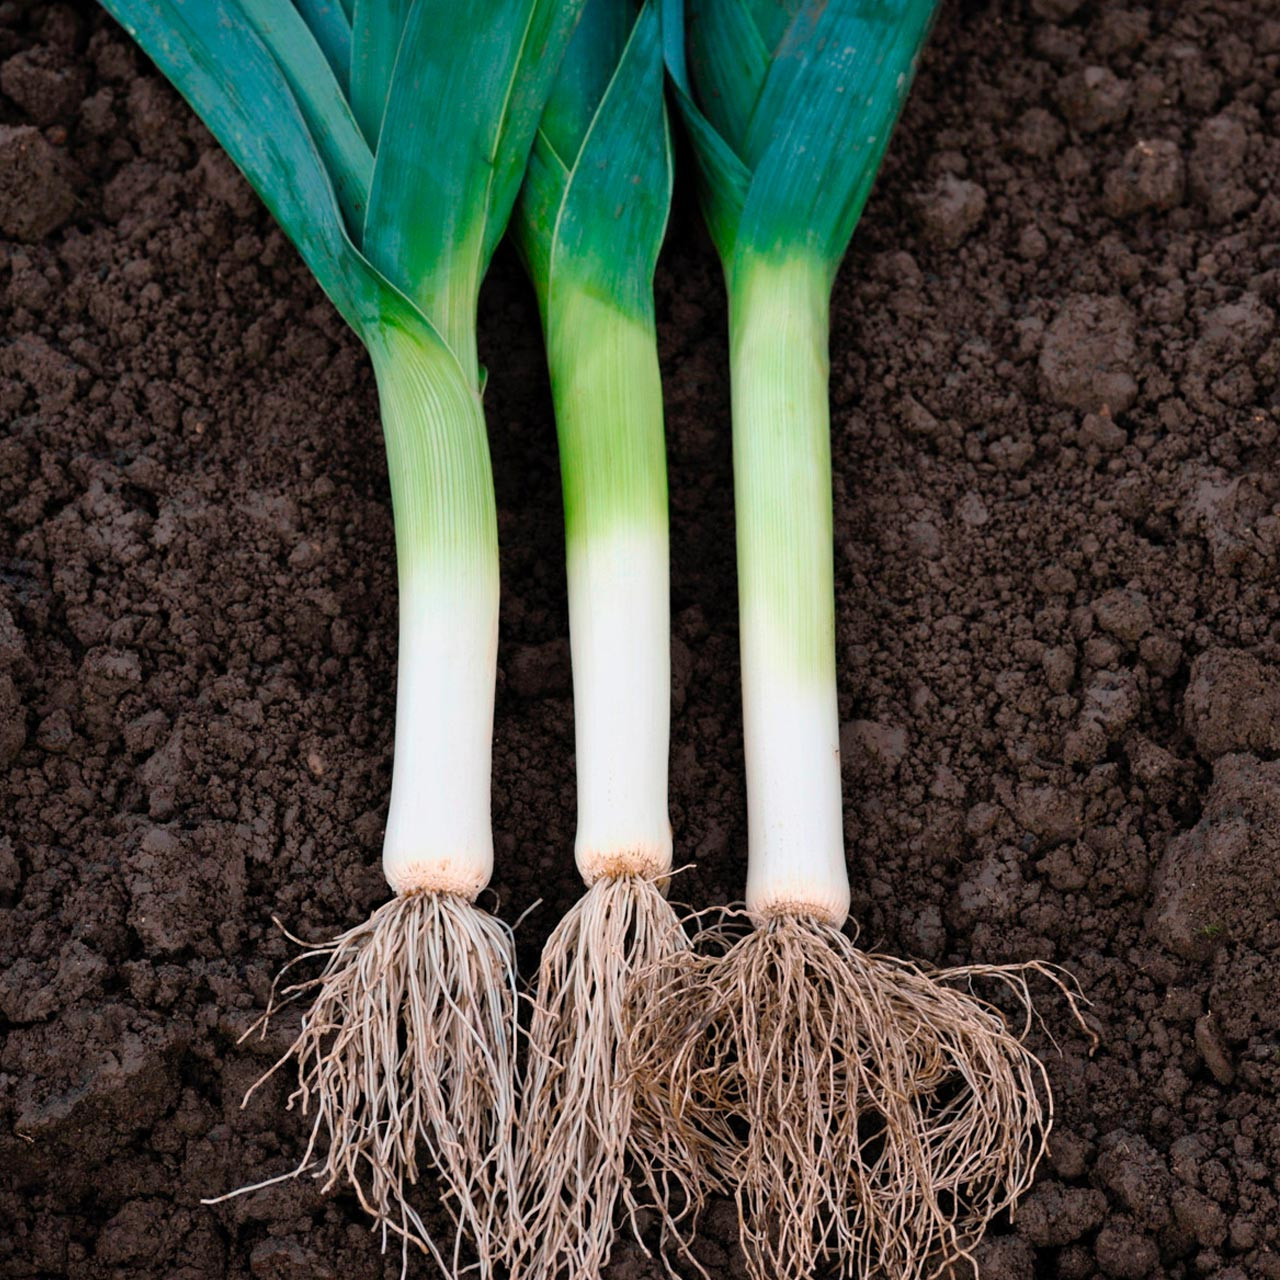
1055, 362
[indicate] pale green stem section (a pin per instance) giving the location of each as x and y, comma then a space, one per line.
437, 458
782, 486
608, 400
782, 463
439, 835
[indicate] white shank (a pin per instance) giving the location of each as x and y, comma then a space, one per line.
439, 837
619, 621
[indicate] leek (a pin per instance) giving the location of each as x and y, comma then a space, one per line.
389, 140
588, 225
866, 1115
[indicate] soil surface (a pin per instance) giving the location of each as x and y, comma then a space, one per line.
1054, 385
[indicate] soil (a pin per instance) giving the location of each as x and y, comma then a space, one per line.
1055, 364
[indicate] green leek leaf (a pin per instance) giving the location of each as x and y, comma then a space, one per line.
376, 30
772, 19
462, 110
322, 101
729, 62
331, 26
588, 66
604, 232
723, 179
818, 122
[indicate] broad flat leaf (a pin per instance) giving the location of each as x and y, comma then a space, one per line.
550, 27
728, 60
322, 101
462, 111
723, 180
604, 233
803, 163
377, 27
773, 18
217, 61
824, 119
331, 25
585, 72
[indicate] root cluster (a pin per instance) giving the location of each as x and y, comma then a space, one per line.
407, 1051
869, 1117
866, 1115
575, 1136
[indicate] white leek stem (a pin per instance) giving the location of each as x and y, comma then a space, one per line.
439, 835
608, 398
782, 496
619, 620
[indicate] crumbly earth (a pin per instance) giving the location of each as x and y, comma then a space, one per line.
1057, 503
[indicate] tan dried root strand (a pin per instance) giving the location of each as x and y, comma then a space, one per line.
409, 1045
864, 1113
574, 1133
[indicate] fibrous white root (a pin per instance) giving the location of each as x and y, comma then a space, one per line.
575, 1138
407, 1051
867, 1115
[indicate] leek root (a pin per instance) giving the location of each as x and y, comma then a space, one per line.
889, 1113
405, 1046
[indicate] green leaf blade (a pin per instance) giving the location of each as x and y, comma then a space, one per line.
440, 198
377, 27
729, 61
331, 26
613, 215
322, 101
821, 131
723, 180
585, 72
772, 18
550, 27
820, 124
